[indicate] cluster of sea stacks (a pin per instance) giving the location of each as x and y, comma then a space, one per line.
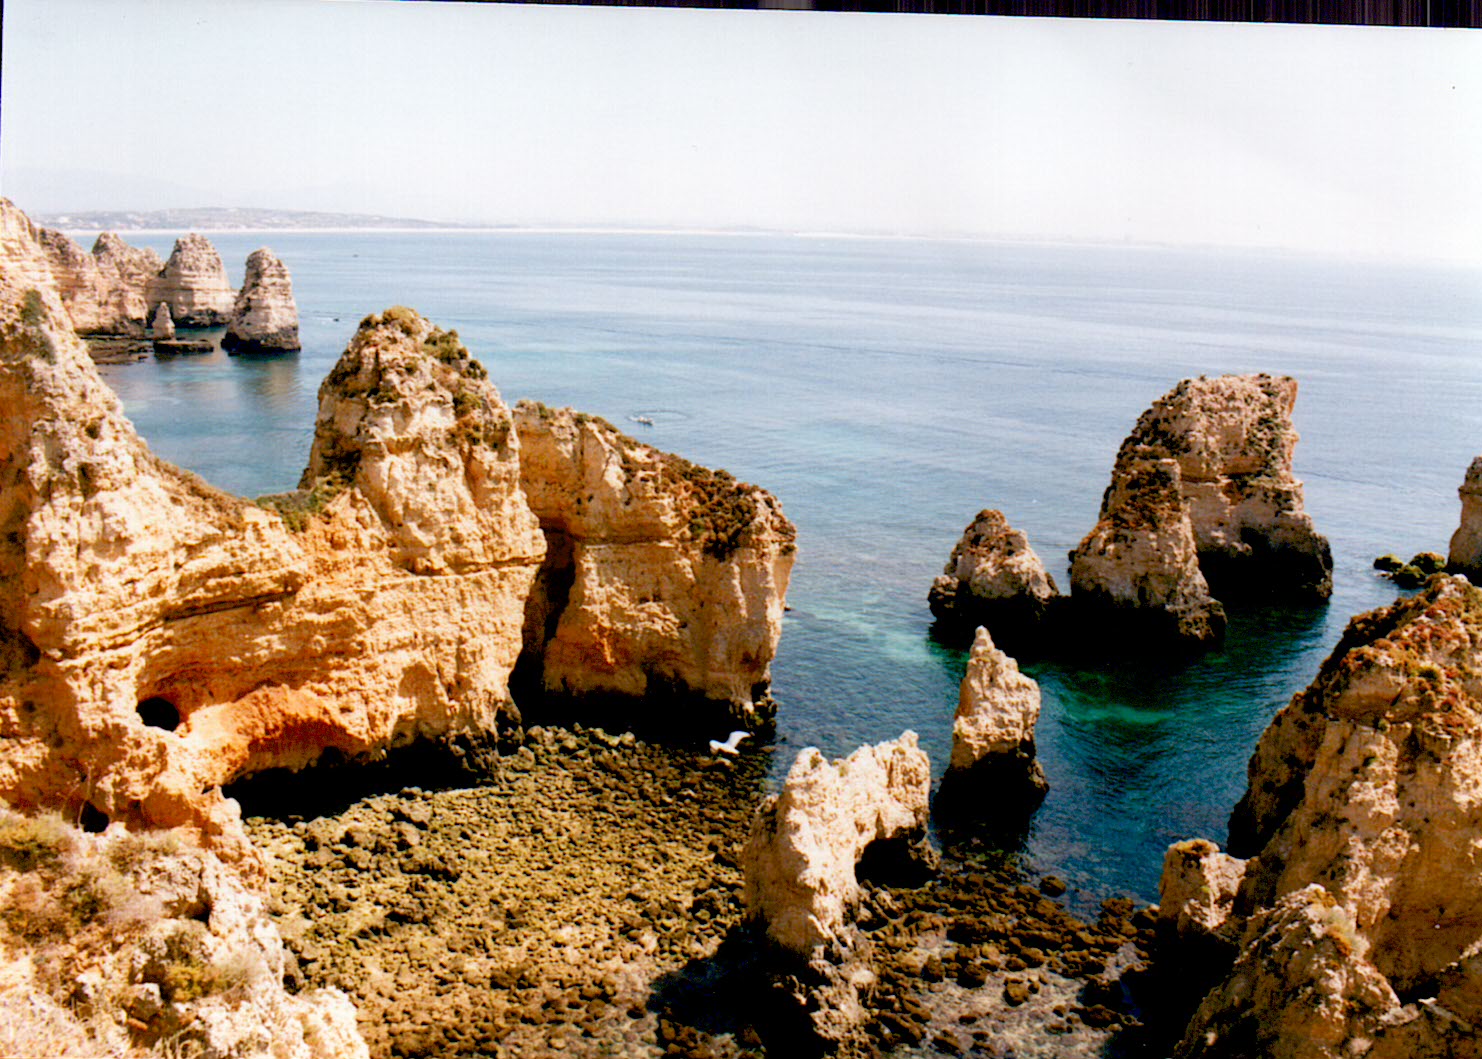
160, 638
1202, 500
119, 294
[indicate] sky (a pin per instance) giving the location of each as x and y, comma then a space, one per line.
1336, 140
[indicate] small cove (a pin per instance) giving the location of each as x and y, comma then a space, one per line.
887, 390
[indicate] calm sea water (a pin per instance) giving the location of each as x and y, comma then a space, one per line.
888, 390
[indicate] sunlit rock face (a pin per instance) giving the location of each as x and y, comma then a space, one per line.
805, 843
1466, 543
264, 316
1358, 911
994, 774
193, 284
665, 581
162, 638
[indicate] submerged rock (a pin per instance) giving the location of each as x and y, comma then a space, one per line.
994, 773
663, 579
1465, 556
264, 316
805, 843
1135, 577
993, 578
1359, 825
193, 283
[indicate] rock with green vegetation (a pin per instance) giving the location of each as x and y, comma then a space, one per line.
1358, 916
145, 944
1388, 563
1408, 576
1429, 562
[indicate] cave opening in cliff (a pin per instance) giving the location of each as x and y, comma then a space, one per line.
159, 713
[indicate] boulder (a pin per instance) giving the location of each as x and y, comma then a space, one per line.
194, 285
1196, 892
1233, 439
264, 316
1465, 555
1359, 827
994, 772
1135, 578
799, 861
162, 328
993, 578
664, 582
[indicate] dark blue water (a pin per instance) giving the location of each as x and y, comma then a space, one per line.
888, 390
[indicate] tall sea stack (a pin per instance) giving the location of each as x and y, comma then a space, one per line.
264, 317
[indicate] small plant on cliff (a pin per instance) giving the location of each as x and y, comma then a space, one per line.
298, 508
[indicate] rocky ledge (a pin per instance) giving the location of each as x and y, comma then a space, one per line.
1354, 918
264, 316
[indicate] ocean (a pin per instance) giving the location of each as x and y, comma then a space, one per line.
885, 391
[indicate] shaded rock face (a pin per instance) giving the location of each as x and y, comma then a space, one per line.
123, 941
1196, 892
799, 863
994, 771
162, 328
159, 638
1465, 556
1136, 574
993, 578
662, 578
264, 316
193, 284
1360, 826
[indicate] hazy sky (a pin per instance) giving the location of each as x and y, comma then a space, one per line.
1355, 140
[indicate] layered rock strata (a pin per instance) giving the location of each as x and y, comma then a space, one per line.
994, 773
663, 579
1358, 913
193, 284
993, 578
121, 942
1465, 556
1136, 574
799, 862
161, 638
264, 316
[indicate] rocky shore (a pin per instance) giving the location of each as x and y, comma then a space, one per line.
585, 899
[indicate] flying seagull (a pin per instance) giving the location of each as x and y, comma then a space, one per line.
729, 746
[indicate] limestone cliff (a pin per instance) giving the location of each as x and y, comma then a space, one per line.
662, 578
806, 842
1233, 439
1360, 825
161, 638
1136, 574
994, 773
161, 327
1465, 556
193, 284
264, 316
993, 578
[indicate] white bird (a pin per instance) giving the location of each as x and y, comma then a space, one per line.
729, 746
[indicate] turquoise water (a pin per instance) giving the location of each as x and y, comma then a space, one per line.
888, 390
